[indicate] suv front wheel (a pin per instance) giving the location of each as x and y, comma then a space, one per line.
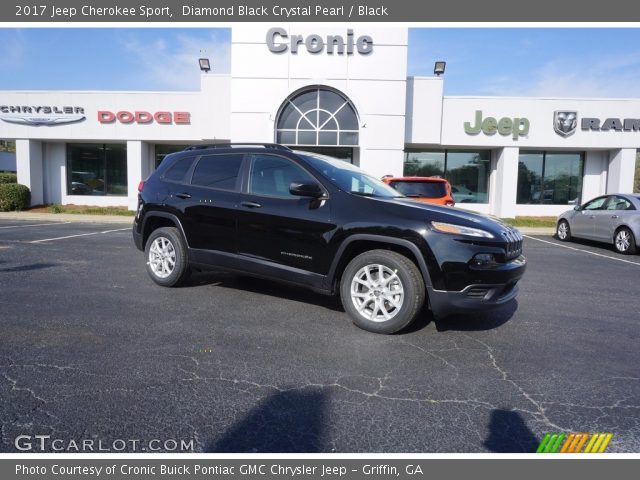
167, 262
383, 291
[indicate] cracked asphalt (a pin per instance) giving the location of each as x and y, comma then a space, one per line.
91, 348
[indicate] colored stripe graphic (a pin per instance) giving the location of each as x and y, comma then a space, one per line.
557, 442
580, 444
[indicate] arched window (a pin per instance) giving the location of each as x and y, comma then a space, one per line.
317, 116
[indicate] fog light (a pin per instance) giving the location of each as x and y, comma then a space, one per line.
482, 259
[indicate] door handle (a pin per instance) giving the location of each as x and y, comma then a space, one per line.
615, 216
251, 204
183, 195
592, 216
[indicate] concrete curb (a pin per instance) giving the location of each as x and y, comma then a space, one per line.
65, 217
537, 230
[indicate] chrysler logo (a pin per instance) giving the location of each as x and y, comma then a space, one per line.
37, 115
42, 120
565, 122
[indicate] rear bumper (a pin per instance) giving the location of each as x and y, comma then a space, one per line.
137, 238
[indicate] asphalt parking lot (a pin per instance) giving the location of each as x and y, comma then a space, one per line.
91, 348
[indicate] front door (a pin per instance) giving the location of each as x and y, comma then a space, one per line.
276, 227
583, 224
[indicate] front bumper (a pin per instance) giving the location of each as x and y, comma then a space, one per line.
502, 288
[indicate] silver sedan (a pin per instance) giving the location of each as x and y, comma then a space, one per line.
613, 218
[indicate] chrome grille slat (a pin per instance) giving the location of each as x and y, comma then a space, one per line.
514, 240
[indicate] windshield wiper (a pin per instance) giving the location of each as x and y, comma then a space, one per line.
365, 194
373, 195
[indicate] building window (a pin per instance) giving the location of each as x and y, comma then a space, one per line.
162, 150
467, 171
96, 169
553, 178
318, 116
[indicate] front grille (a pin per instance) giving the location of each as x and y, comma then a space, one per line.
513, 247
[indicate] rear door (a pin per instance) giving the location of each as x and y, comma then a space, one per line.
209, 203
277, 227
609, 219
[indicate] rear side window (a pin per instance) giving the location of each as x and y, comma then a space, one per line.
179, 169
218, 171
421, 189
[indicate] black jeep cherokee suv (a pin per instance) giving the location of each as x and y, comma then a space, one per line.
267, 211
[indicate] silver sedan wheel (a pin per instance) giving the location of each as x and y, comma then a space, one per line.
623, 241
563, 230
162, 257
377, 293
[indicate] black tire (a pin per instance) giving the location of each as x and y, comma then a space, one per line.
400, 272
175, 249
626, 248
563, 235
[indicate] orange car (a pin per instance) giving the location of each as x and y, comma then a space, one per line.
423, 189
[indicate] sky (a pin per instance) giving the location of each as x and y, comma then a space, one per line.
597, 62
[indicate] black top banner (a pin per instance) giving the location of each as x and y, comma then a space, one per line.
179, 11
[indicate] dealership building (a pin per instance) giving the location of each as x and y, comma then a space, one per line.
341, 91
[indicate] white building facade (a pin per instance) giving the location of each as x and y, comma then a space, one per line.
339, 91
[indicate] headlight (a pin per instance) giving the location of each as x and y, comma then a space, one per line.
460, 230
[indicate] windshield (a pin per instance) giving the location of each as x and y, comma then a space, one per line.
420, 189
348, 178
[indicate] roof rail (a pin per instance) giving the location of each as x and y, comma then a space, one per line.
275, 146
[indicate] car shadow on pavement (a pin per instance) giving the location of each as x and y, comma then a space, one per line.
508, 433
265, 287
602, 246
478, 321
26, 268
285, 422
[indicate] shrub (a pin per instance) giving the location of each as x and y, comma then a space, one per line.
8, 178
14, 196
56, 208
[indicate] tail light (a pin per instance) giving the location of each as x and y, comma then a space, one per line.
140, 185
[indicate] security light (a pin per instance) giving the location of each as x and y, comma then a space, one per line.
205, 66
439, 67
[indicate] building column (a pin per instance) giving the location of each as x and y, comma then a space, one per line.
137, 169
29, 168
505, 187
622, 165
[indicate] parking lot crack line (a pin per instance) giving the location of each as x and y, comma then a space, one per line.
431, 354
14, 387
540, 411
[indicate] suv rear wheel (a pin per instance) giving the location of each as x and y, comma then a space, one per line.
167, 262
382, 291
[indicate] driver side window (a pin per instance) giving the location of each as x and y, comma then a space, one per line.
596, 204
272, 175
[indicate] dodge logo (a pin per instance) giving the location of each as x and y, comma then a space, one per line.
565, 122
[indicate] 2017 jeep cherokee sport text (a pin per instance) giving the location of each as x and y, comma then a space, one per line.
270, 212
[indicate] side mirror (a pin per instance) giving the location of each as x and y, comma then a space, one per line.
302, 189
576, 208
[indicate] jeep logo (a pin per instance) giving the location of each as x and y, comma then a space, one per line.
516, 127
279, 41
